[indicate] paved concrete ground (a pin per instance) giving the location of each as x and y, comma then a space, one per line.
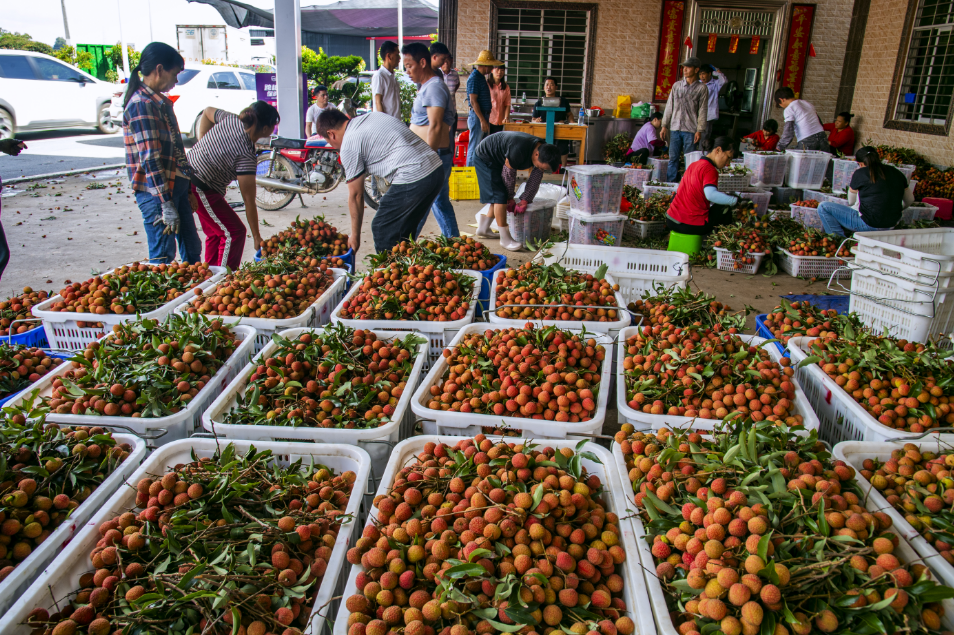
62, 150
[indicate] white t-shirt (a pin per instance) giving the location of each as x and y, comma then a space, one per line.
805, 118
314, 110
384, 83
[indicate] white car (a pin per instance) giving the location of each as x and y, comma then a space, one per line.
39, 92
197, 88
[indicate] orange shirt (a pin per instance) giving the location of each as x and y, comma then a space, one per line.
500, 104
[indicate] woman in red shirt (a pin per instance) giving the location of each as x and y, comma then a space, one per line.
841, 137
699, 206
765, 139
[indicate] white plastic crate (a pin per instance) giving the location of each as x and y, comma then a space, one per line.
666, 188
177, 426
20, 579
397, 429
318, 314
64, 334
437, 333
468, 424
821, 197
611, 328
925, 211
768, 169
615, 499
842, 169
635, 177
929, 249
533, 224
596, 229
820, 267
61, 577
760, 198
644, 228
854, 453
841, 417
892, 267
906, 169
660, 168
595, 189
806, 168
692, 157
807, 216
657, 595
725, 261
635, 270
734, 182
907, 310
644, 421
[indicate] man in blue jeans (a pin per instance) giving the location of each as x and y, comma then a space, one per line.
478, 94
686, 115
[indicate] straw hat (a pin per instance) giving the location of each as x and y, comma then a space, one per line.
486, 58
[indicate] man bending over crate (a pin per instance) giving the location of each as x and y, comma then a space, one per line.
380, 145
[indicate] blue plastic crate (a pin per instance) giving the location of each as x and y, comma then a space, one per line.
763, 331
824, 302
484, 299
57, 355
348, 258
33, 338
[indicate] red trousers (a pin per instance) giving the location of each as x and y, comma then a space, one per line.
224, 230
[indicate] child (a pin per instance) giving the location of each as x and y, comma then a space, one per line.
767, 138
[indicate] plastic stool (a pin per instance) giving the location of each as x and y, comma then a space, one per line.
944, 207
685, 243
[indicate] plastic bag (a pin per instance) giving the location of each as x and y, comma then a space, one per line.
624, 104
547, 190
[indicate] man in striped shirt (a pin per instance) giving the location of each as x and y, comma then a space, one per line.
379, 145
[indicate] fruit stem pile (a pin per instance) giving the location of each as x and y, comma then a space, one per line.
461, 252
45, 473
146, 368
681, 307
757, 529
797, 319
574, 295
248, 538
337, 377
653, 208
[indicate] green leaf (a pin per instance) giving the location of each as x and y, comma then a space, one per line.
661, 506
732, 453
763, 546
601, 272
808, 361
537, 496
477, 554
504, 628
463, 570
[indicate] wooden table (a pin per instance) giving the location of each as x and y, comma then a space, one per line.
567, 131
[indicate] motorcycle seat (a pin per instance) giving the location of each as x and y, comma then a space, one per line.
284, 143
316, 143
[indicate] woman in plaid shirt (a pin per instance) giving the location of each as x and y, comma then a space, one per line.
155, 158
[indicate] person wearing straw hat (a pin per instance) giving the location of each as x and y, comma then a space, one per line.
478, 94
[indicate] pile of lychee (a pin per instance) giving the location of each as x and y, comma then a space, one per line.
299, 383
45, 473
574, 295
706, 372
270, 289
129, 375
904, 385
410, 292
920, 486
795, 319
460, 252
315, 237
482, 537
20, 366
19, 309
277, 525
683, 307
533, 373
756, 529
136, 288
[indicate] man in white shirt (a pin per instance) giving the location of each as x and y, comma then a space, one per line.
320, 95
385, 92
714, 79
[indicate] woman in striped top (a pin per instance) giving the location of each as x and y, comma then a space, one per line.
226, 152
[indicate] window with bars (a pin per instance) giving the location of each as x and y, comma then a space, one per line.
539, 43
928, 82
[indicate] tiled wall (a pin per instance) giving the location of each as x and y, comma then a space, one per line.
872, 91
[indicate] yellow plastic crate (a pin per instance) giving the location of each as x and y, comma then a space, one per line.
463, 184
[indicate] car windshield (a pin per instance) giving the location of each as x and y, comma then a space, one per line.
185, 76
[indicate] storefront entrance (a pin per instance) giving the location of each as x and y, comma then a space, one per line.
744, 41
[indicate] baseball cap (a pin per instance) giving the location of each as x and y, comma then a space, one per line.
692, 61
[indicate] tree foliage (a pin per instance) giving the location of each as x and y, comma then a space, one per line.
325, 69
82, 60
23, 42
115, 56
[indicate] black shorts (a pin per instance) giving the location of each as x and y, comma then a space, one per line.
490, 178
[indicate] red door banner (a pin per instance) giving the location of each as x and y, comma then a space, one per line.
799, 40
754, 46
667, 68
711, 44
733, 44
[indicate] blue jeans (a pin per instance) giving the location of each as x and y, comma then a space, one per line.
679, 142
442, 208
836, 218
476, 136
162, 247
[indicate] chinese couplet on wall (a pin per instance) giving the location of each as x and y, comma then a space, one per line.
799, 40
711, 44
670, 37
733, 44
754, 46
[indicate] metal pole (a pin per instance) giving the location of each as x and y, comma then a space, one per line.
66, 24
401, 31
122, 42
372, 59
149, 9
288, 65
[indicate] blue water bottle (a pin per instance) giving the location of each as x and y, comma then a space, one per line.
582, 114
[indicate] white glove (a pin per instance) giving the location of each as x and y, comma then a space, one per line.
170, 218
